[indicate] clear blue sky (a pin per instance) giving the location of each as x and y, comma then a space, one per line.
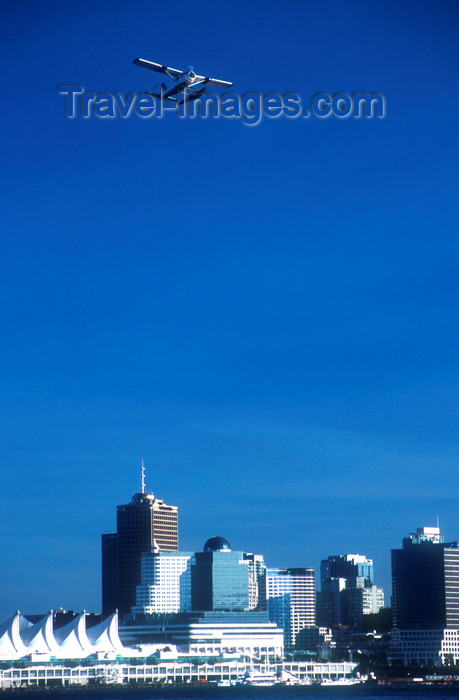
267, 315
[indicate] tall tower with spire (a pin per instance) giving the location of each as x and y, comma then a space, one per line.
142, 524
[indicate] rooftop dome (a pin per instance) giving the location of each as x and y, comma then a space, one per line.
217, 544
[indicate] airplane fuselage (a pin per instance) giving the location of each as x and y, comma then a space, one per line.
183, 81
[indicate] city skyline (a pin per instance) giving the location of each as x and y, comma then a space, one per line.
149, 497
266, 314
211, 603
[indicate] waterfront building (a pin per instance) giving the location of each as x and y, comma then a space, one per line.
425, 600
182, 648
41, 640
247, 633
142, 524
157, 671
290, 600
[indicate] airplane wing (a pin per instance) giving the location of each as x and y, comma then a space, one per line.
213, 81
173, 72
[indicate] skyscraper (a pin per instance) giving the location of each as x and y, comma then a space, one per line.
291, 600
347, 590
142, 524
425, 592
165, 583
222, 579
347, 566
425, 585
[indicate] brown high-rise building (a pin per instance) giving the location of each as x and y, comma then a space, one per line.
144, 521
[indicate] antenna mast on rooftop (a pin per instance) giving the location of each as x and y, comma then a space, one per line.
142, 477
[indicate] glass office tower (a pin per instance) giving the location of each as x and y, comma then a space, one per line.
425, 601
425, 582
225, 580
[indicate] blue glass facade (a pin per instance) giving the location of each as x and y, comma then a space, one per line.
220, 581
279, 611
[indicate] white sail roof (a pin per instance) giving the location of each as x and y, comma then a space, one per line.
104, 636
11, 644
72, 639
19, 637
38, 637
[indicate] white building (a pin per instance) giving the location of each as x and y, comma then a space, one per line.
165, 584
248, 634
424, 647
291, 600
372, 599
